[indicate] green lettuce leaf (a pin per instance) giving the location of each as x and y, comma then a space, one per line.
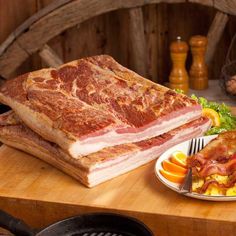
227, 120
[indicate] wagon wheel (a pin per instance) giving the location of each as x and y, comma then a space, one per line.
32, 36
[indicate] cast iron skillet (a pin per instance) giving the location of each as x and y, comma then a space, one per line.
95, 224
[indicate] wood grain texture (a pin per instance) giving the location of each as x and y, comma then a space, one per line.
162, 43
215, 33
26, 25
204, 2
137, 41
226, 6
50, 57
150, 27
13, 13
109, 33
56, 22
45, 195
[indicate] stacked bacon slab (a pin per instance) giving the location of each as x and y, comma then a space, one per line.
94, 119
217, 158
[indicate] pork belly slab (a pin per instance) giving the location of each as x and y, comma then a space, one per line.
93, 103
103, 165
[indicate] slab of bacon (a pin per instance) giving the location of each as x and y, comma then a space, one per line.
94, 103
101, 166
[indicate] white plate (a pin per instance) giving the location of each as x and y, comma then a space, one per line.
183, 147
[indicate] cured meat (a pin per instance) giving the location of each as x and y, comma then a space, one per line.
103, 165
216, 162
93, 103
217, 157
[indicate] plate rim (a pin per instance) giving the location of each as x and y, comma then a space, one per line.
174, 188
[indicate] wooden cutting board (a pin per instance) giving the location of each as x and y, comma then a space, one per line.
40, 194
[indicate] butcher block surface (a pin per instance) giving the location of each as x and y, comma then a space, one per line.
40, 194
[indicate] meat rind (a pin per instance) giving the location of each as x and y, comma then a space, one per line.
92, 103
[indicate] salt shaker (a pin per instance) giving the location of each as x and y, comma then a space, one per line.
179, 77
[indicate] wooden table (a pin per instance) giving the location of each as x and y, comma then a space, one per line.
38, 193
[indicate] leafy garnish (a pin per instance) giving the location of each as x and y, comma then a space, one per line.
179, 91
227, 120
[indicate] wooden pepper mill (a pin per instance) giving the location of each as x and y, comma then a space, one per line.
198, 72
179, 77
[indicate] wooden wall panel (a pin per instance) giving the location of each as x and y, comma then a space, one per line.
105, 34
13, 13
109, 34
93, 37
155, 17
188, 19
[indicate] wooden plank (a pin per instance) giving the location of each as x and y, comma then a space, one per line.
92, 38
163, 59
45, 195
200, 18
40, 214
209, 3
226, 6
151, 26
59, 20
12, 14
6, 62
50, 57
123, 38
25, 26
168, 25
137, 41
215, 33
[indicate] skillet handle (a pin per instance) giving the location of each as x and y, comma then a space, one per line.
14, 225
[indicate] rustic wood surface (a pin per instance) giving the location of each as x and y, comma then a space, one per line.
215, 33
50, 57
38, 193
54, 23
137, 41
26, 25
227, 6
108, 33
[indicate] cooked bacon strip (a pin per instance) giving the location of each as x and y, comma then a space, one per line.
197, 160
218, 157
206, 185
218, 168
217, 154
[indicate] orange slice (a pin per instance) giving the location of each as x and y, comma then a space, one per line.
179, 158
173, 177
172, 167
212, 115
